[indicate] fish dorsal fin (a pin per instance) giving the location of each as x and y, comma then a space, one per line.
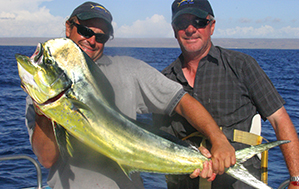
239, 172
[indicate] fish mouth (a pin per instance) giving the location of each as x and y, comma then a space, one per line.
50, 100
57, 97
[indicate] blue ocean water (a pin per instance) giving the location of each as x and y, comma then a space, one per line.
282, 66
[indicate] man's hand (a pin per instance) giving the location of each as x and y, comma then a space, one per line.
223, 156
207, 171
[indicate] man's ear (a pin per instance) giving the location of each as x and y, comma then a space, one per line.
67, 29
174, 32
213, 27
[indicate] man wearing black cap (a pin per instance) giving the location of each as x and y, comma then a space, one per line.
230, 85
136, 88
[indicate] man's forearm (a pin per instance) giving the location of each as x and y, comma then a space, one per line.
285, 130
44, 143
223, 154
199, 118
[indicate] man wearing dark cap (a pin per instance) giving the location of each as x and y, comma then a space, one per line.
135, 87
230, 85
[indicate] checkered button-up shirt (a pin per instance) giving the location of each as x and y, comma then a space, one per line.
230, 85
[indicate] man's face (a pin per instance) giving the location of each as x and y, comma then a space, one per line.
192, 39
90, 46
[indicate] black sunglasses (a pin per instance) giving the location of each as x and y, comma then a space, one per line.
88, 33
182, 24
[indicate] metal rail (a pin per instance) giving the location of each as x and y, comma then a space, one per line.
37, 166
284, 185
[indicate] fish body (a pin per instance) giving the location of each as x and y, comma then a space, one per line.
69, 88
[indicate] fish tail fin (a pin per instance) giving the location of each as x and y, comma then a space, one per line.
239, 172
246, 153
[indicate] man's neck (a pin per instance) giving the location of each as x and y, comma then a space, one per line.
191, 62
189, 71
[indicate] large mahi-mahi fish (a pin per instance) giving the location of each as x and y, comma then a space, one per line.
65, 84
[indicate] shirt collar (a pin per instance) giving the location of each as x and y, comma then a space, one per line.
213, 57
177, 69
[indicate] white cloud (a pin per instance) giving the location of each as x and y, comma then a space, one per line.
289, 31
20, 18
17, 5
245, 20
268, 19
7, 15
27, 18
156, 26
265, 31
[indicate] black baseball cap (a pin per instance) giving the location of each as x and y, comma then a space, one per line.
198, 8
89, 10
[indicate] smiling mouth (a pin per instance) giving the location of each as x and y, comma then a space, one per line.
86, 46
191, 39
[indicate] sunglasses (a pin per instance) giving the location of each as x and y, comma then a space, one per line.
182, 24
88, 33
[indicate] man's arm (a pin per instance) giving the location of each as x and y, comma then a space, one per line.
285, 130
223, 154
43, 141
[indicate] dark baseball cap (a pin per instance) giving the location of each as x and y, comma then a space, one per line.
199, 8
89, 10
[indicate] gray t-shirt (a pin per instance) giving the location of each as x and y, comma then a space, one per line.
138, 88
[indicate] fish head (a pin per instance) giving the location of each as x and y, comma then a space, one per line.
41, 77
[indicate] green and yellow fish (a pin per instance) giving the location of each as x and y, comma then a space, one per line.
69, 88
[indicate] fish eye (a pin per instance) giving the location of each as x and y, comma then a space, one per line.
48, 61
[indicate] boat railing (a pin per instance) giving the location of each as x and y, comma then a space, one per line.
284, 185
35, 163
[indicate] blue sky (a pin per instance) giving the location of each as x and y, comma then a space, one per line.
151, 18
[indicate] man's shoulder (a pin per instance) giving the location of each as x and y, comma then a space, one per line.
121, 61
170, 68
229, 53
118, 58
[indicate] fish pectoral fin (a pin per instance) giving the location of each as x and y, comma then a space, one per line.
77, 105
63, 140
127, 170
69, 146
80, 107
239, 172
